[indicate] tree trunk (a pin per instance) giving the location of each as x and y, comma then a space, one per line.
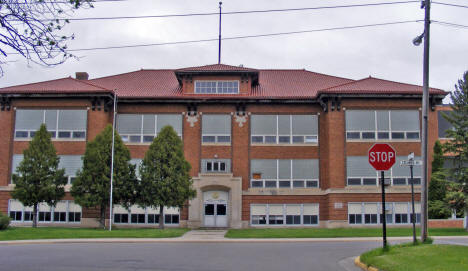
34, 215
102, 217
161, 218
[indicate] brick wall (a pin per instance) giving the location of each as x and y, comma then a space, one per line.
445, 223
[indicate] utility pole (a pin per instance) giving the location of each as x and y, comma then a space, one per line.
112, 162
425, 104
219, 41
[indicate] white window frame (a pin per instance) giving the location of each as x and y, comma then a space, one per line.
376, 131
389, 206
54, 133
126, 137
52, 210
267, 215
291, 179
218, 87
389, 176
313, 139
129, 213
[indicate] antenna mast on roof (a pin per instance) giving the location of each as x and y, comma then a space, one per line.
219, 43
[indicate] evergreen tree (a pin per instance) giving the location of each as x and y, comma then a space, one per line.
165, 178
438, 157
92, 185
38, 178
457, 146
438, 207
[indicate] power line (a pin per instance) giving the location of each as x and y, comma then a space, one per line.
448, 4
240, 37
450, 24
238, 12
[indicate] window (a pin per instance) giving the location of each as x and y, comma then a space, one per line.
62, 124
64, 211
272, 173
382, 124
138, 215
354, 213
284, 129
371, 213
216, 165
60, 211
71, 164
284, 214
360, 172
443, 123
217, 87
120, 218
137, 128
216, 128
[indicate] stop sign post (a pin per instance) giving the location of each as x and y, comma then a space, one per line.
382, 157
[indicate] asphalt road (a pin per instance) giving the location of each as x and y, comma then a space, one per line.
316, 256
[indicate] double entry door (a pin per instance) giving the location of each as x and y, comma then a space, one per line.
215, 209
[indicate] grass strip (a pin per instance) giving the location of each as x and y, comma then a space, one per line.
23, 233
338, 232
421, 257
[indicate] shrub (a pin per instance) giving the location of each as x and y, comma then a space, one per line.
4, 221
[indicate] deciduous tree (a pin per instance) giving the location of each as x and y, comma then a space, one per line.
165, 178
38, 178
92, 185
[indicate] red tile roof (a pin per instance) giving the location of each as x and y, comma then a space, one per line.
371, 85
216, 68
66, 85
272, 84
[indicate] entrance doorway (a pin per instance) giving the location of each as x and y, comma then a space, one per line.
215, 209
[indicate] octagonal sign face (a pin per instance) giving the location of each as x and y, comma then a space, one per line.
382, 156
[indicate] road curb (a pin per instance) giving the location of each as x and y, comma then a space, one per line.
212, 240
363, 266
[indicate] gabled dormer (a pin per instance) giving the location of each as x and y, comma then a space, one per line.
217, 79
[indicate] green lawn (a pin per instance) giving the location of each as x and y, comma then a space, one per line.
425, 257
20, 233
340, 232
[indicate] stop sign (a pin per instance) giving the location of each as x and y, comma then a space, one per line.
382, 156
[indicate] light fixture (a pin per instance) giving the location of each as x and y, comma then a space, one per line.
418, 40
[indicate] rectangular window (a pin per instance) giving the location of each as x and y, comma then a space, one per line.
360, 172
354, 213
217, 87
216, 128
71, 164
284, 214
443, 123
216, 165
382, 124
284, 129
284, 173
139, 128
62, 124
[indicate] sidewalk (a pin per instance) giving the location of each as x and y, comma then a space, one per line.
215, 236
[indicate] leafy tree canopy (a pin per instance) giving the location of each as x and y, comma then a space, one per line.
38, 178
92, 185
165, 178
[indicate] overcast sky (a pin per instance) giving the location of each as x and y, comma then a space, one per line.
384, 52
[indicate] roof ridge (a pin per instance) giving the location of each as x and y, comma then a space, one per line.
344, 84
88, 83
